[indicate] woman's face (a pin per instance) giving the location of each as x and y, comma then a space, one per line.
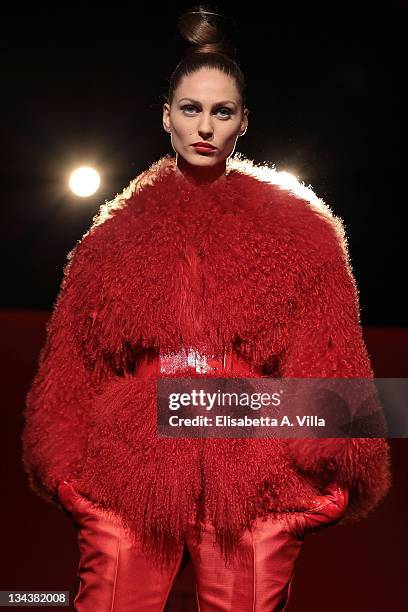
206, 106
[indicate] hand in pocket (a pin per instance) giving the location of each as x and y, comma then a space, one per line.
328, 510
68, 496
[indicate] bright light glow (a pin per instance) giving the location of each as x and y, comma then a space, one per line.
84, 181
284, 180
287, 180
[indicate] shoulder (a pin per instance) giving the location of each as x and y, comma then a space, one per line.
303, 220
312, 225
106, 236
110, 224
113, 220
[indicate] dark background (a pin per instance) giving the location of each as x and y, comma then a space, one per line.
325, 99
83, 84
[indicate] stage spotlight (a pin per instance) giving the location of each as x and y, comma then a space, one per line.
84, 181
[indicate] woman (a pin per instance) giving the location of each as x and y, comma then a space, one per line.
206, 265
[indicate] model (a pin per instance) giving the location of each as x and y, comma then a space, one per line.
207, 264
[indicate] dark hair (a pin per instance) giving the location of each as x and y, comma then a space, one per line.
211, 35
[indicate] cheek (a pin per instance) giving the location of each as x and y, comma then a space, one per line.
230, 128
231, 133
181, 128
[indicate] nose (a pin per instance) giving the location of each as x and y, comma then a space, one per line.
205, 128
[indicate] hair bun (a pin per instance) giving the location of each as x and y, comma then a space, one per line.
211, 37
204, 27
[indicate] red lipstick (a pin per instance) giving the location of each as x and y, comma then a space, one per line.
203, 146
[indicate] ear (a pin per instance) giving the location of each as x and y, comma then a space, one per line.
244, 122
166, 117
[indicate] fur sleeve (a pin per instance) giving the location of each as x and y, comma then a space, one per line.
326, 341
54, 432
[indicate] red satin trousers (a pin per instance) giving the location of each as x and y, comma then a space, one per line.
115, 576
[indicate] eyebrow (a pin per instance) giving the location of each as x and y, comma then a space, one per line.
215, 104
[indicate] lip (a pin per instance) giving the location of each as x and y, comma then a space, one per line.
203, 145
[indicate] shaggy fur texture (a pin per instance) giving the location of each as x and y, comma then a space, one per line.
252, 262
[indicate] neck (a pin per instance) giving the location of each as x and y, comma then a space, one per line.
200, 174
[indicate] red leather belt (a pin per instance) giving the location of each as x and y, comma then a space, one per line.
187, 359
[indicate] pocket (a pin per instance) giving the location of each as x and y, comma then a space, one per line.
328, 510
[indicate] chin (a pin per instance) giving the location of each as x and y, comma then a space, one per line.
203, 159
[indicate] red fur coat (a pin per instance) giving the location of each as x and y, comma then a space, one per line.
252, 262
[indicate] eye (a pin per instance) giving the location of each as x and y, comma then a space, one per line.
225, 108
229, 112
186, 106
